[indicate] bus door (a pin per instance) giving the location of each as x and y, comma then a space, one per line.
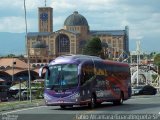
87, 79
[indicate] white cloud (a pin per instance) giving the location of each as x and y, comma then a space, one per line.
93, 5
136, 35
101, 14
33, 5
58, 22
10, 4
15, 24
62, 5
86, 5
19, 4
11, 24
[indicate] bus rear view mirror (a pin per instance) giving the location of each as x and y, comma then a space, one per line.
41, 71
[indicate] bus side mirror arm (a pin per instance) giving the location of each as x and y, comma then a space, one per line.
41, 71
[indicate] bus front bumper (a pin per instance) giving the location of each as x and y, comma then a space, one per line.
65, 101
54, 101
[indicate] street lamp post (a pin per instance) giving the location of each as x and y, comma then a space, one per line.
13, 63
20, 79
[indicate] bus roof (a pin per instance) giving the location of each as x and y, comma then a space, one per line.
80, 58
73, 58
116, 63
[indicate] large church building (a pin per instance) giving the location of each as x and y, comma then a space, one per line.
45, 44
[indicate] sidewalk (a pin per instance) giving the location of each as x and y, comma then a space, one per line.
5, 106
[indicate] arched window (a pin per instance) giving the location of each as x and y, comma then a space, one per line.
63, 43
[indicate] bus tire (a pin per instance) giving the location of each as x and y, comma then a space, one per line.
62, 106
120, 101
92, 104
98, 104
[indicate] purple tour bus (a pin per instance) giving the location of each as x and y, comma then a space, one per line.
85, 80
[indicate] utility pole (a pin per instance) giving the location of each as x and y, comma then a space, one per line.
28, 58
12, 70
20, 79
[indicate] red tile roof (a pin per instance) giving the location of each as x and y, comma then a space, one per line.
9, 62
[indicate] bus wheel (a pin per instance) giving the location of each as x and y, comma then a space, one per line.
120, 101
92, 104
98, 104
63, 106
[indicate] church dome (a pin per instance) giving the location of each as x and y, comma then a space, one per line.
39, 45
75, 19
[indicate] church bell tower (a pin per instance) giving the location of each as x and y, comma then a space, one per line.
45, 17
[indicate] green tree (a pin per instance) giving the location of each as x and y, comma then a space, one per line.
93, 47
152, 55
157, 61
20, 56
10, 55
104, 53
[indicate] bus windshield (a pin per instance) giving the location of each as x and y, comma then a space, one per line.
61, 76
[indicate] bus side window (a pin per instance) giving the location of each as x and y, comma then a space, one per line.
83, 78
86, 75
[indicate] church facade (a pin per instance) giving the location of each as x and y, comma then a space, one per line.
45, 45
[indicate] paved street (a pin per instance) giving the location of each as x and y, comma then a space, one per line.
142, 107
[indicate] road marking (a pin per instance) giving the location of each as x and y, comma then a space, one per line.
22, 110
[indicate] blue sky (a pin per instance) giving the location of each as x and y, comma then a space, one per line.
142, 17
